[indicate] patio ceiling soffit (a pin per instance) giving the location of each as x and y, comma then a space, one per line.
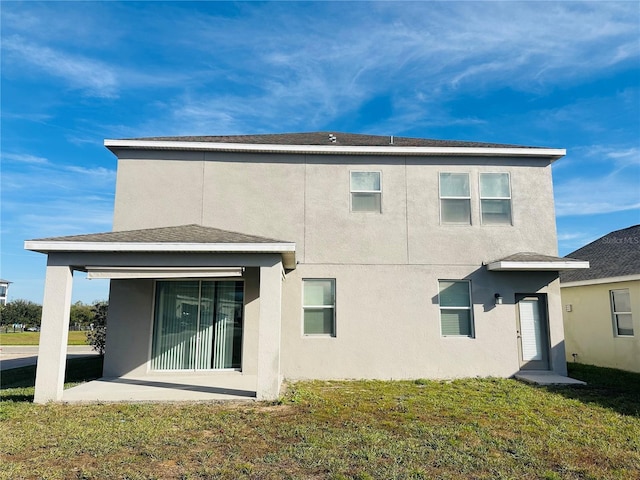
162, 272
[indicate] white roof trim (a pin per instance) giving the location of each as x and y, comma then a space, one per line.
162, 272
505, 266
554, 153
72, 246
287, 250
598, 281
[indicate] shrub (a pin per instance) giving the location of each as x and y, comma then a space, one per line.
97, 335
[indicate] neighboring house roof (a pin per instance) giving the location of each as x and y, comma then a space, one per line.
4, 281
617, 254
183, 238
530, 261
333, 144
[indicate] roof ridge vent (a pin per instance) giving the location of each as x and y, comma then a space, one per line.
332, 138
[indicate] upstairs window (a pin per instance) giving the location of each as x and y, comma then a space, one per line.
319, 306
621, 311
455, 199
495, 198
456, 319
366, 192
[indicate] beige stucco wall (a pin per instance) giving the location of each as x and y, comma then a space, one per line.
589, 326
388, 324
396, 336
306, 199
386, 265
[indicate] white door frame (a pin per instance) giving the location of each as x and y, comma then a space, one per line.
533, 331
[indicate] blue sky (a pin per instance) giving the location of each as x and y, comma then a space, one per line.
556, 74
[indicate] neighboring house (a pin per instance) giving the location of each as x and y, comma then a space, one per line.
602, 305
4, 291
318, 255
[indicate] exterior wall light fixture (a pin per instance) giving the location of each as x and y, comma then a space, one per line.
498, 299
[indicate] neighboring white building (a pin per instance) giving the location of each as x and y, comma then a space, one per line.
4, 291
318, 255
602, 304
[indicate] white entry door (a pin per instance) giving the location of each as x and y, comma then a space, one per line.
533, 336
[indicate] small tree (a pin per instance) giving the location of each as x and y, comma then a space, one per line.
81, 314
97, 334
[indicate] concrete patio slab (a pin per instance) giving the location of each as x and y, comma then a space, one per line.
546, 378
165, 388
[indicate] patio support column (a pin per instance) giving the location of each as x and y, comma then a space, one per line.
268, 382
52, 353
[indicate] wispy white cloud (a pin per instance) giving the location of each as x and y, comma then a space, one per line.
564, 237
572, 239
429, 52
45, 198
92, 76
607, 159
616, 192
97, 174
30, 117
23, 158
64, 217
313, 63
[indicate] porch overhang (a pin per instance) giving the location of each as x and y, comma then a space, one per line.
190, 251
534, 262
180, 239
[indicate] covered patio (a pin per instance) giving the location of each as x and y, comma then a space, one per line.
134, 261
165, 388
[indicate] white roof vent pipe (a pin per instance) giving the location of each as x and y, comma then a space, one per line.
391, 140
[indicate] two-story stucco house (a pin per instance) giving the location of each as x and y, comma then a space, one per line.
317, 256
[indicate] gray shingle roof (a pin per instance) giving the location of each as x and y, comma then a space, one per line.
532, 257
325, 138
179, 234
617, 254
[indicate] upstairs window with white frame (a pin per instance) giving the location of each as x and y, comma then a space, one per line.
455, 199
495, 198
621, 312
456, 316
366, 192
319, 306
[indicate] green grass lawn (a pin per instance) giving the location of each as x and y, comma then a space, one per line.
473, 428
33, 338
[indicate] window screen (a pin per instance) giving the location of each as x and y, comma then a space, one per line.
366, 192
495, 198
455, 308
455, 200
318, 305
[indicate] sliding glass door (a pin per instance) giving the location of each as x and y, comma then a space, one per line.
198, 325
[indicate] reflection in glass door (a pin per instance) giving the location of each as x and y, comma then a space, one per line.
198, 325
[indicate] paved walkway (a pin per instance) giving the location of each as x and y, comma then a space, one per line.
14, 356
546, 378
